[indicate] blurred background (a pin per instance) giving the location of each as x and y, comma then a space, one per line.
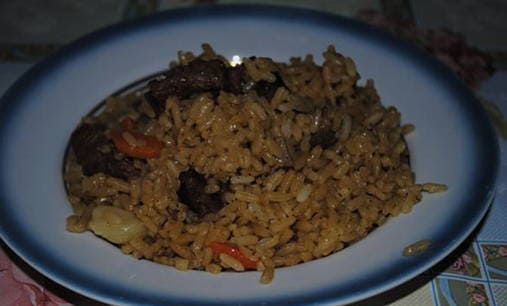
30, 29
469, 36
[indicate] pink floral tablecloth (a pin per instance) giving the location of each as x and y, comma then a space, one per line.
17, 288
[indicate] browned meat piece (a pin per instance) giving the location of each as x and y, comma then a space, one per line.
183, 81
94, 152
206, 76
87, 136
191, 193
237, 79
157, 107
267, 89
323, 137
121, 168
85, 142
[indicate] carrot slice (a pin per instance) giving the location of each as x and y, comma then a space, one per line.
225, 248
151, 148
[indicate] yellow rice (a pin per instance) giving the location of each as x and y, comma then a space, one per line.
280, 216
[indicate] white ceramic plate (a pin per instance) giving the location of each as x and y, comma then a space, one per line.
454, 144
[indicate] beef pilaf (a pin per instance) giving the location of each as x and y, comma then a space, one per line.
248, 167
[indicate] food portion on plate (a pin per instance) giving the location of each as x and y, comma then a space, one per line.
214, 166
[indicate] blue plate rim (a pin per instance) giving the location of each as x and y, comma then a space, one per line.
395, 275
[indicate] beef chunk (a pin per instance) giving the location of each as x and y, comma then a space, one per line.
323, 137
267, 89
206, 76
87, 136
90, 145
183, 81
237, 79
157, 107
192, 194
85, 142
121, 168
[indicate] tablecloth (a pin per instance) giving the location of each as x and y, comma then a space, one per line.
474, 274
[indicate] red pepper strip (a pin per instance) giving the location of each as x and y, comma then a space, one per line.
221, 247
128, 124
151, 149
